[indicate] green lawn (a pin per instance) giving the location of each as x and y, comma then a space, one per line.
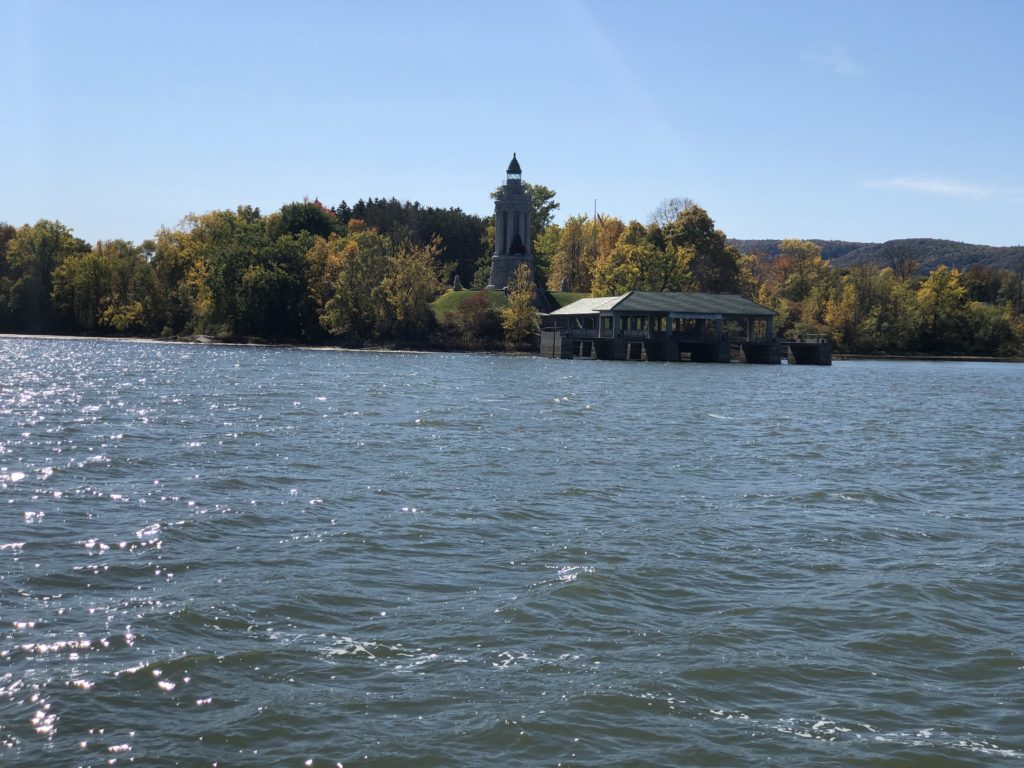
452, 300
562, 298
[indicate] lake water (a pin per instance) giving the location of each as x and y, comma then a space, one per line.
241, 556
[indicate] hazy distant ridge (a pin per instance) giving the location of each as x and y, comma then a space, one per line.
929, 252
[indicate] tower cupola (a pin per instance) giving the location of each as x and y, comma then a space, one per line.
514, 172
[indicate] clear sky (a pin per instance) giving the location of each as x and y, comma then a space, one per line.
865, 120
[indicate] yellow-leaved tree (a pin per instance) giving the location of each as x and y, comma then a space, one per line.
410, 283
519, 318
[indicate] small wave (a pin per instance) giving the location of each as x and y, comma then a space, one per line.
569, 573
375, 650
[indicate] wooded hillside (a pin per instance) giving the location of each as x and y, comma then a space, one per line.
928, 253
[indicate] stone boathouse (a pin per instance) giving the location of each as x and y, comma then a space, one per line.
694, 327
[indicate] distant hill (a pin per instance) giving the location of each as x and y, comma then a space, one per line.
928, 252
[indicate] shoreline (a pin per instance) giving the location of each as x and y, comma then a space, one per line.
204, 340
927, 358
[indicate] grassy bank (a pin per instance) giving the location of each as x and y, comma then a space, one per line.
452, 301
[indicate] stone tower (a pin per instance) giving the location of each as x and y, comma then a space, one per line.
512, 236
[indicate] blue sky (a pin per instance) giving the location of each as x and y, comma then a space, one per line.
830, 119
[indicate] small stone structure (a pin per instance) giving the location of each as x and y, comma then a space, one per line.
512, 234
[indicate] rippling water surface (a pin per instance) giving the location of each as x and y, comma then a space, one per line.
295, 557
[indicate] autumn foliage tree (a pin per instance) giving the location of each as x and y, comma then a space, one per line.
798, 285
519, 318
571, 265
637, 262
942, 303
709, 264
111, 287
409, 285
32, 256
352, 310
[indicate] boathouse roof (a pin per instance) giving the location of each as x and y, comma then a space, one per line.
678, 303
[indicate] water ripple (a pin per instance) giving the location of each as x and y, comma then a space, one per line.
248, 555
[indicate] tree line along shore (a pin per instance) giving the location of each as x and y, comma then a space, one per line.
377, 273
